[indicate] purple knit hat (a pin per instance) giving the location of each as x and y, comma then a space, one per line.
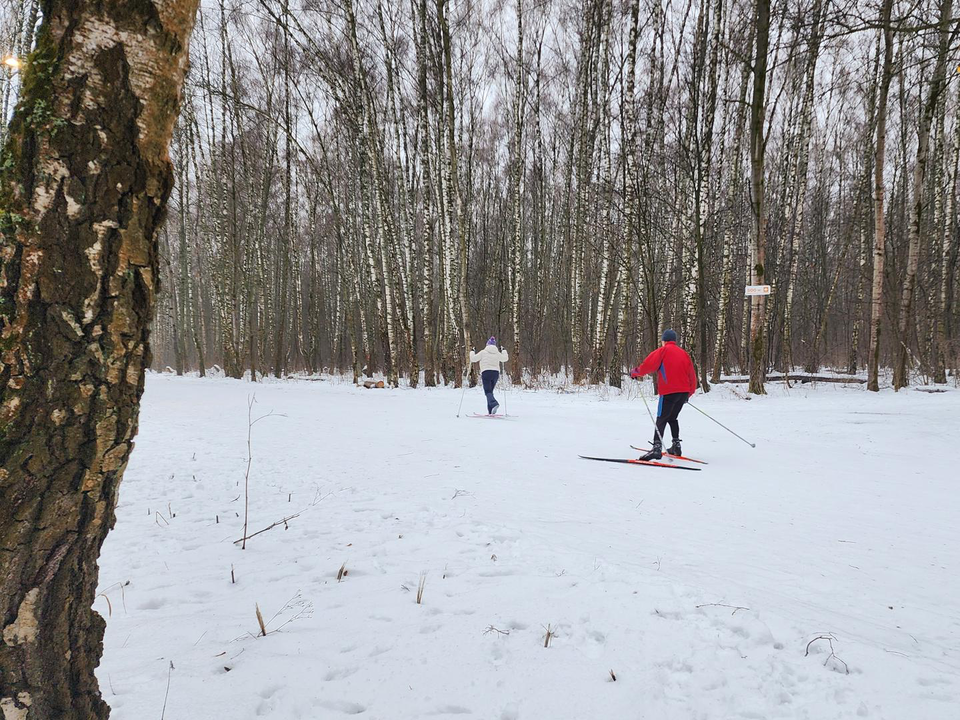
492, 341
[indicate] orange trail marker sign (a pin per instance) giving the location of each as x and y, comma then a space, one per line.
757, 290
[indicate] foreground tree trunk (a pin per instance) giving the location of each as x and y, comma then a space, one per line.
86, 177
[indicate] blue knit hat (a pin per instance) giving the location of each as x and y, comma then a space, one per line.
669, 336
492, 341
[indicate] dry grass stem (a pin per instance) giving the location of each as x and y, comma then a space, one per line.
123, 597
263, 628
109, 604
342, 572
420, 587
165, 694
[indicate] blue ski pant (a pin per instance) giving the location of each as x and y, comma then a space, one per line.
489, 379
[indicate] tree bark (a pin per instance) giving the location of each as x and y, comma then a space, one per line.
518, 250
900, 375
757, 152
799, 173
85, 181
879, 219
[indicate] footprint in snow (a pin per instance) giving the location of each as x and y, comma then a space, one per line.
153, 604
932, 681
347, 708
339, 673
451, 710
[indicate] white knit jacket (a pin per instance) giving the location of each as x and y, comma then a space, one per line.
489, 358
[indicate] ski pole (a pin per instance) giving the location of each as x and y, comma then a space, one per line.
503, 374
464, 392
753, 445
655, 428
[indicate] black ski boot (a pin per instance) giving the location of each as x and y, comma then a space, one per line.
675, 448
655, 452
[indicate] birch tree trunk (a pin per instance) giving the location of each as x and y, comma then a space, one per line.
799, 194
518, 249
630, 200
948, 251
879, 218
866, 217
100, 98
901, 376
735, 205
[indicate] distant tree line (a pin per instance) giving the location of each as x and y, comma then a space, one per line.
376, 187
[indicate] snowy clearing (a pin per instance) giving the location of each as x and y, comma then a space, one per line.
700, 591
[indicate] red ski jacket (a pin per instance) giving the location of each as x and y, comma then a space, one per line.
674, 368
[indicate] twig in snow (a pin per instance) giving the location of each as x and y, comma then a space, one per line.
342, 572
246, 478
735, 607
550, 634
829, 637
158, 515
169, 673
491, 628
281, 521
613, 676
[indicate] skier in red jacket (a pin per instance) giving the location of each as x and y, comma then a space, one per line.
676, 382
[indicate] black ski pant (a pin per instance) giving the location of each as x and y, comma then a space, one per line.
489, 379
667, 412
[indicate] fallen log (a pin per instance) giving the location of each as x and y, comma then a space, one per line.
800, 379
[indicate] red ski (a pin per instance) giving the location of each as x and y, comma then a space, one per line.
675, 457
652, 463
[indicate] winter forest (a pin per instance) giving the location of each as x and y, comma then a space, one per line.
376, 187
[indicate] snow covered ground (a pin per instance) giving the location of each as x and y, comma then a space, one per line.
700, 591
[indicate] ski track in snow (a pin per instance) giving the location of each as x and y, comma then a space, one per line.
843, 520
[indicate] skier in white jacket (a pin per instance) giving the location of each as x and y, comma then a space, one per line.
490, 358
